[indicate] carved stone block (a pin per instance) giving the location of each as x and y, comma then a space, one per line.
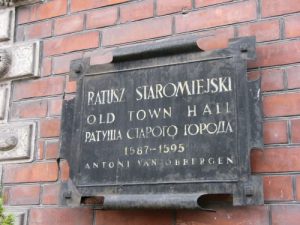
16, 142
6, 24
23, 61
4, 97
20, 215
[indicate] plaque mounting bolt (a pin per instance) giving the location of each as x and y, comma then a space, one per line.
78, 69
244, 47
67, 194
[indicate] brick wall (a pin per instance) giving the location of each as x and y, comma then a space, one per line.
73, 29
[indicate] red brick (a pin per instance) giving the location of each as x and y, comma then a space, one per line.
38, 30
293, 77
272, 160
31, 172
217, 16
55, 106
38, 88
272, 80
298, 188
51, 194
50, 127
279, 7
278, 188
137, 31
59, 216
295, 129
100, 57
277, 54
292, 26
71, 43
172, 6
71, 86
42, 11
40, 150
216, 40
68, 24
256, 215
29, 109
79, 5
275, 132
202, 3
46, 69
278, 105
137, 11
137, 217
263, 30
102, 18
24, 195
64, 170
61, 64
285, 214
52, 150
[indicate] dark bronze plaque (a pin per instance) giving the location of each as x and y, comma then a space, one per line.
176, 124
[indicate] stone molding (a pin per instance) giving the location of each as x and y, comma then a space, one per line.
24, 61
9, 3
4, 101
17, 142
20, 214
7, 21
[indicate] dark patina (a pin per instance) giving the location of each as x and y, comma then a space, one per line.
161, 126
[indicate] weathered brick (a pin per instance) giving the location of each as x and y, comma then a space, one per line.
31, 172
51, 194
277, 54
293, 77
24, 195
99, 57
137, 11
79, 5
50, 127
137, 31
68, 24
71, 86
37, 88
263, 30
279, 7
40, 150
217, 16
278, 188
216, 40
29, 109
133, 217
59, 216
102, 18
225, 216
277, 105
52, 150
285, 214
46, 69
71, 43
292, 26
38, 30
64, 170
272, 80
275, 132
287, 160
42, 11
202, 3
55, 106
171, 6
295, 130
61, 64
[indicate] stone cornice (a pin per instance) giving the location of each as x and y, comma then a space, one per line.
10, 3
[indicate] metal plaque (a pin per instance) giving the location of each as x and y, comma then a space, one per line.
164, 124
